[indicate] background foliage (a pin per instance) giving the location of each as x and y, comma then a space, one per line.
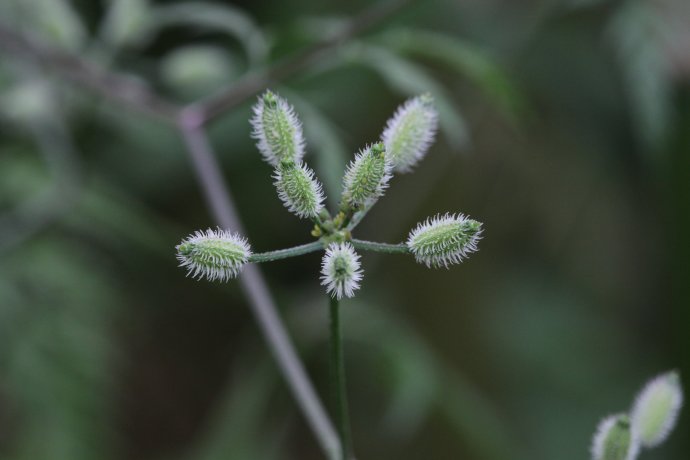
565, 128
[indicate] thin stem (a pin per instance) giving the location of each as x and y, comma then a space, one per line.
357, 217
285, 253
338, 373
381, 247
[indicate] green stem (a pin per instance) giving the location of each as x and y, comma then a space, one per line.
357, 217
338, 373
285, 253
381, 247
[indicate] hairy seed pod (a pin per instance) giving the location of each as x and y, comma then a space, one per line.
277, 130
213, 254
297, 188
656, 408
367, 176
410, 132
444, 240
614, 439
340, 270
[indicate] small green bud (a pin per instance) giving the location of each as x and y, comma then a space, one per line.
297, 188
656, 408
277, 130
410, 132
214, 254
340, 270
367, 176
444, 240
614, 439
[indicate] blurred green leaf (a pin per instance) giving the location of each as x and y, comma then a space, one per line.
410, 79
28, 101
126, 22
196, 70
213, 16
59, 368
236, 430
111, 215
55, 21
635, 32
466, 59
422, 382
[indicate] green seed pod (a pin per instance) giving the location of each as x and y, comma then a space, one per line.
615, 440
410, 132
297, 188
656, 408
277, 130
340, 270
214, 254
367, 176
444, 240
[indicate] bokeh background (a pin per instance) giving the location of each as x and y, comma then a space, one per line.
565, 128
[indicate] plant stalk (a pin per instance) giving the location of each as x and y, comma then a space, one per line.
381, 247
342, 415
285, 253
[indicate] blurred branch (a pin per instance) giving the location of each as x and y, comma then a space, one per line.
218, 196
245, 88
116, 87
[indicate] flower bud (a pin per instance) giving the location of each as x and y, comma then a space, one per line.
656, 407
214, 254
367, 176
410, 132
444, 240
615, 440
297, 188
340, 270
277, 130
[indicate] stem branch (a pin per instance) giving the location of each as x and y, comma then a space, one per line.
381, 247
285, 253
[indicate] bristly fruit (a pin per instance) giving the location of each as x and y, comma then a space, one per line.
615, 440
297, 188
277, 130
656, 408
213, 254
366, 177
444, 240
340, 270
410, 132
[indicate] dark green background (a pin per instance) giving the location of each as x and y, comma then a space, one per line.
574, 153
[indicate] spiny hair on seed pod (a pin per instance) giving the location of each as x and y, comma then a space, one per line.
298, 189
213, 254
367, 176
410, 132
655, 410
441, 241
277, 130
340, 270
615, 439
